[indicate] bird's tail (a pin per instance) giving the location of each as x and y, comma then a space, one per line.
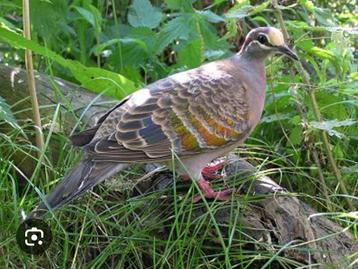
83, 177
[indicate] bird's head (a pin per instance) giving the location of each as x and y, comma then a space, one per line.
264, 41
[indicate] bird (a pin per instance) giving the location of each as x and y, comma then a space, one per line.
198, 115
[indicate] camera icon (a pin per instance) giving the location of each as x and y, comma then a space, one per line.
34, 237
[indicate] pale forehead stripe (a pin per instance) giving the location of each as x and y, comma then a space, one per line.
275, 37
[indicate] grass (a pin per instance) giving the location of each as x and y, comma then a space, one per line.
112, 228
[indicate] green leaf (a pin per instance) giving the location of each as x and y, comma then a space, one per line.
239, 11
87, 15
305, 44
143, 14
131, 53
91, 15
259, 8
100, 80
131, 41
322, 53
180, 4
211, 40
354, 76
338, 152
95, 79
7, 23
178, 28
274, 117
97, 17
329, 125
10, 4
210, 16
324, 16
6, 114
191, 55
295, 136
307, 4
49, 21
173, 4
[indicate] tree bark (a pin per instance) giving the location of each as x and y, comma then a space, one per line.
277, 219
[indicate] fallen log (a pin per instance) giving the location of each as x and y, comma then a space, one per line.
277, 219
51, 91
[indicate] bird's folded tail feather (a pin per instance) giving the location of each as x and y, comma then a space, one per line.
83, 177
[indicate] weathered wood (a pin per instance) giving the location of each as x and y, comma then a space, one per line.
51, 91
277, 219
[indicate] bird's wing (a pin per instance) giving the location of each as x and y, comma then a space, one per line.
190, 113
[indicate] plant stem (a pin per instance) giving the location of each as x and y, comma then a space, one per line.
31, 79
306, 79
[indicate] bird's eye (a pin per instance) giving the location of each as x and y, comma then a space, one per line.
262, 39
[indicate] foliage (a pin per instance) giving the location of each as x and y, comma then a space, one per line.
6, 114
114, 47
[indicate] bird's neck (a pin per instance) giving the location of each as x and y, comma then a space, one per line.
253, 67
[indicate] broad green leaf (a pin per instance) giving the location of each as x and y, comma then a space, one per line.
92, 15
295, 136
87, 15
210, 16
48, 19
178, 28
130, 53
185, 5
305, 44
239, 11
292, 24
191, 55
95, 79
307, 4
97, 17
338, 152
274, 117
323, 53
331, 104
10, 4
324, 16
100, 80
143, 14
132, 41
354, 76
7, 23
6, 114
329, 126
174, 4
209, 34
261, 20
259, 8
145, 35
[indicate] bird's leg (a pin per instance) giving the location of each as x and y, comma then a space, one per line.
209, 193
211, 171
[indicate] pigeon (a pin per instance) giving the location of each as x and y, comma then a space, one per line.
196, 115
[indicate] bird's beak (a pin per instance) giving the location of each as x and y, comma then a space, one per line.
286, 50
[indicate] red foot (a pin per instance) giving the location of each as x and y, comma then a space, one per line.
209, 193
210, 171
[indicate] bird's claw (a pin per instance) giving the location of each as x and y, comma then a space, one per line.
211, 171
209, 193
